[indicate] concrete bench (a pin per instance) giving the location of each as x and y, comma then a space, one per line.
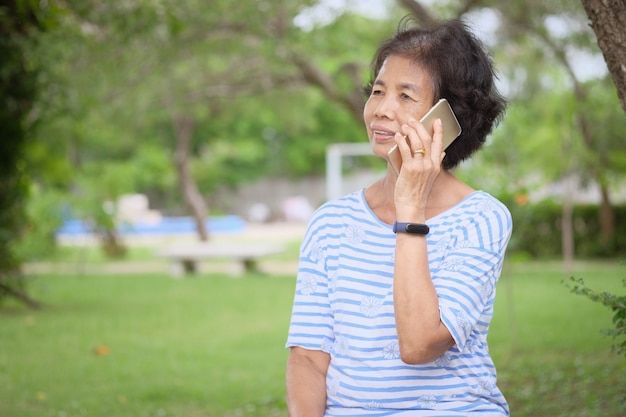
184, 260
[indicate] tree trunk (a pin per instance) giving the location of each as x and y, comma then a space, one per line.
183, 131
607, 220
608, 21
18, 86
17, 292
567, 226
607, 212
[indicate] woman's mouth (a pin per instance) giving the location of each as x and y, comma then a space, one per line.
383, 135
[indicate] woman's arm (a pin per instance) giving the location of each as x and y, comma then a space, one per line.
306, 382
422, 336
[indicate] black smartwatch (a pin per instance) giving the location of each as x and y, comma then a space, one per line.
412, 228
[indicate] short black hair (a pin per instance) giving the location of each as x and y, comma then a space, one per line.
461, 71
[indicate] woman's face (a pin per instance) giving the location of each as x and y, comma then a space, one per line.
402, 90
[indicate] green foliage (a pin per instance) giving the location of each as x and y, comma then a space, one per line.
537, 230
45, 212
616, 303
16, 91
539, 141
117, 75
608, 122
114, 76
17, 94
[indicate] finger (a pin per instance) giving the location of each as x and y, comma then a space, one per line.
416, 149
422, 137
412, 136
403, 145
437, 141
420, 151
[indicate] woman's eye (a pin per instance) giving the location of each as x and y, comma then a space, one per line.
376, 92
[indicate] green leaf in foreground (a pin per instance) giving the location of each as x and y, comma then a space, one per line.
616, 303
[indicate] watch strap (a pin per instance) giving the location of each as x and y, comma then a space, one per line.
411, 228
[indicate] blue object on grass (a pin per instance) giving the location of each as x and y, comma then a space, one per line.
167, 225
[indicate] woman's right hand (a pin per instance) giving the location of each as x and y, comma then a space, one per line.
422, 156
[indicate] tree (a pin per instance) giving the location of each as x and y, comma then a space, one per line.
530, 51
157, 97
608, 20
199, 86
18, 20
557, 48
181, 68
531, 22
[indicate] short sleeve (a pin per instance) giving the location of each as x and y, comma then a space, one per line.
311, 324
466, 278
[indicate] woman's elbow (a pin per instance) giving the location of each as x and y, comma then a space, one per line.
418, 354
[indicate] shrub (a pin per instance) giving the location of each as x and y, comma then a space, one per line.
616, 303
537, 230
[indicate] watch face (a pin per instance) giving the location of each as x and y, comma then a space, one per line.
414, 228
421, 229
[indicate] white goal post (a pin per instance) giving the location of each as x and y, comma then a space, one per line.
334, 157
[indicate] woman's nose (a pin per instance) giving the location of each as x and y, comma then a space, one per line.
385, 108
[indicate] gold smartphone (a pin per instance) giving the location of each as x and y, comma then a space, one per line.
451, 129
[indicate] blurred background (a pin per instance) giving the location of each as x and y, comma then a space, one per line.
131, 124
144, 110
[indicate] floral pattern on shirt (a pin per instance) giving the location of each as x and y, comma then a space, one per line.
370, 305
354, 234
307, 284
391, 351
428, 402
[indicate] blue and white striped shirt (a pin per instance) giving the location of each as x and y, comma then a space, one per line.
344, 306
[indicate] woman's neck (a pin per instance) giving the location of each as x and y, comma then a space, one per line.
447, 191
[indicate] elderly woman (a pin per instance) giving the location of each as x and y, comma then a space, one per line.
397, 281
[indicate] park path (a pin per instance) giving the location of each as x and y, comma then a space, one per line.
273, 233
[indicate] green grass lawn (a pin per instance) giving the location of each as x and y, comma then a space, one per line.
147, 345
551, 357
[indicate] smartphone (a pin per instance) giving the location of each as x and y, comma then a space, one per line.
451, 129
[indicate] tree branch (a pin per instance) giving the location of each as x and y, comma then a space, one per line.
20, 295
312, 74
416, 8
